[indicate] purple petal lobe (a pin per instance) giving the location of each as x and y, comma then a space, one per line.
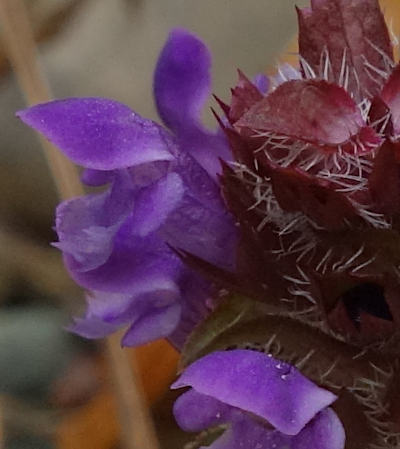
325, 431
195, 293
155, 203
200, 223
86, 226
182, 80
158, 322
245, 432
182, 85
133, 259
152, 308
113, 307
261, 81
286, 72
194, 411
207, 148
198, 229
96, 178
98, 133
259, 384
92, 327
108, 306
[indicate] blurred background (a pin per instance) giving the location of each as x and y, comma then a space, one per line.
54, 388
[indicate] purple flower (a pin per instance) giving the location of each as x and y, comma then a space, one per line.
265, 402
314, 189
162, 195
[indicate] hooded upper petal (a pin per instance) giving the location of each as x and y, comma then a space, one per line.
257, 383
98, 133
182, 80
182, 85
196, 410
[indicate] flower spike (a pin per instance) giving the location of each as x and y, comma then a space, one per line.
267, 251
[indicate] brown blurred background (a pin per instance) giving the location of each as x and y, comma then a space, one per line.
53, 390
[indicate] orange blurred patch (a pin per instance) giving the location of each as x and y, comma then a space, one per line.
95, 425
